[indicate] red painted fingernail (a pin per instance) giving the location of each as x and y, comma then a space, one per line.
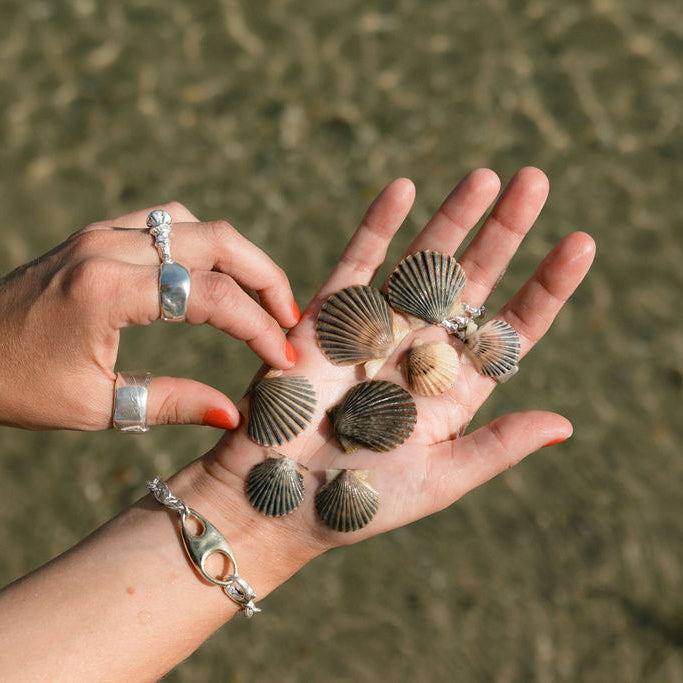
218, 418
554, 442
290, 353
295, 311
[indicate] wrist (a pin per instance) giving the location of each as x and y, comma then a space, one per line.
267, 550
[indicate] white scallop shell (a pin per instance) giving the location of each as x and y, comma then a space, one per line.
356, 325
494, 349
377, 415
279, 408
275, 487
346, 502
427, 285
430, 369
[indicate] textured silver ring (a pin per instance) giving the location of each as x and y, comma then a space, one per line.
130, 402
174, 278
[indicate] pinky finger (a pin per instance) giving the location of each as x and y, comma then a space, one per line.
174, 400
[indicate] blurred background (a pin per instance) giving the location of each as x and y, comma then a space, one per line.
286, 117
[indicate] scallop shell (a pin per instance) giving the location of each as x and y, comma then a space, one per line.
275, 486
356, 325
378, 415
346, 502
430, 369
279, 408
427, 285
494, 348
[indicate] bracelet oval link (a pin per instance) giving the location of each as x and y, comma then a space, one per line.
201, 546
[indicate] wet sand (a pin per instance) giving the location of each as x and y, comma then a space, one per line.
286, 118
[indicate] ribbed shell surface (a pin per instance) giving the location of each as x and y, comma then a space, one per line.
275, 487
347, 502
279, 408
495, 349
427, 285
430, 369
355, 325
378, 415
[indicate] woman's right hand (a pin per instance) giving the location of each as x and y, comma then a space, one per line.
61, 316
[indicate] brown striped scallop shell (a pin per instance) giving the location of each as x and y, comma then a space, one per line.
430, 369
494, 349
275, 487
427, 285
356, 325
377, 415
346, 502
279, 408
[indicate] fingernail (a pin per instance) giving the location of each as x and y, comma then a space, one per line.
218, 418
554, 442
295, 311
290, 353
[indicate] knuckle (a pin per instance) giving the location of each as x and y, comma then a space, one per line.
87, 279
168, 410
222, 230
89, 241
219, 290
175, 208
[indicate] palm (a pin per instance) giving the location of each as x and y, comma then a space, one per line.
434, 467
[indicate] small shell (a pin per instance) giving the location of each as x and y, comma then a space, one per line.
279, 408
494, 348
356, 325
430, 369
377, 415
275, 486
346, 502
427, 285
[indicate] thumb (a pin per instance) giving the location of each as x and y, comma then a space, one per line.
175, 400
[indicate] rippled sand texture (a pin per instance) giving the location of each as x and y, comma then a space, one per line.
286, 118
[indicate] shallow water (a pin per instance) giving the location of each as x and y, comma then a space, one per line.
286, 118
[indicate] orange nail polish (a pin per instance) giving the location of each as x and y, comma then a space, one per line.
218, 418
290, 353
554, 442
295, 311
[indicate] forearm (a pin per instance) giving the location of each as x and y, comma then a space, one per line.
126, 603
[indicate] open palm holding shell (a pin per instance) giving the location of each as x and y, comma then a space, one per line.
439, 462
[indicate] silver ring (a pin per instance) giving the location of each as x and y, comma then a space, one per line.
130, 402
174, 290
174, 278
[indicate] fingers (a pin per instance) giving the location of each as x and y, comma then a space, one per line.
486, 258
456, 467
214, 298
533, 309
199, 246
458, 214
366, 251
173, 400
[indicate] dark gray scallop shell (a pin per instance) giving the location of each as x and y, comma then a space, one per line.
346, 502
427, 285
275, 487
356, 325
494, 348
279, 408
377, 415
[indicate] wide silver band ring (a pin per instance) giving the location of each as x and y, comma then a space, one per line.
174, 278
174, 290
130, 402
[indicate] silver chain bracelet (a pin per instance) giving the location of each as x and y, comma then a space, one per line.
200, 547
